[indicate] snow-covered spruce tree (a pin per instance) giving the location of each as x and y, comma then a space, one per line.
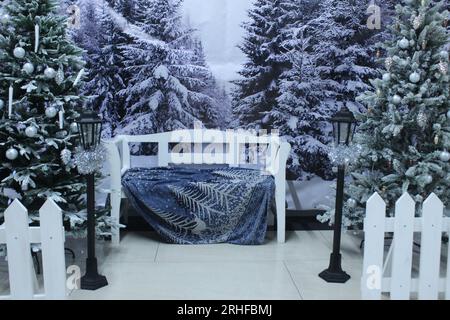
330, 49
297, 113
405, 133
344, 53
39, 78
164, 92
132, 10
216, 112
102, 41
257, 91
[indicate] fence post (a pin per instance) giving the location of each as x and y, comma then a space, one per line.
20, 265
53, 260
374, 244
447, 281
430, 250
403, 242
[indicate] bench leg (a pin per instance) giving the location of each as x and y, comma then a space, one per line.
124, 210
281, 215
115, 217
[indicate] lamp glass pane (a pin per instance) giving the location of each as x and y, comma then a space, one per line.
352, 132
90, 135
335, 132
343, 132
98, 127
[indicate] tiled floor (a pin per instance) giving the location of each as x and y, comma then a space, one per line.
144, 268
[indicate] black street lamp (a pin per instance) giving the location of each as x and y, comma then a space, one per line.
344, 125
89, 128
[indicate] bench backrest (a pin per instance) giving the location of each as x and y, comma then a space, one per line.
205, 146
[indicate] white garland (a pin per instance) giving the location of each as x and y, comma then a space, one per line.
89, 162
345, 154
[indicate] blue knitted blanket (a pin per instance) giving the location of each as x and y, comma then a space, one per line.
201, 206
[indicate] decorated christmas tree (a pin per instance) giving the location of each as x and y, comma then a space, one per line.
405, 133
41, 72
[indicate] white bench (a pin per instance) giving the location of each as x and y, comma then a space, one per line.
268, 153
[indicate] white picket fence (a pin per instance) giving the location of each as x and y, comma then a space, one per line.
18, 236
393, 273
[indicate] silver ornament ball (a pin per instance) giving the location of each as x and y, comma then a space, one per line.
49, 73
414, 77
5, 18
351, 203
2, 104
444, 156
448, 115
19, 52
396, 99
50, 112
444, 54
28, 68
12, 154
74, 127
428, 179
404, 43
31, 131
387, 77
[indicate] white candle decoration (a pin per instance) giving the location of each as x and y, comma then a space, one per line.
36, 37
10, 101
61, 119
78, 78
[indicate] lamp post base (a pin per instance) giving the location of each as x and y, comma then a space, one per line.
92, 280
334, 273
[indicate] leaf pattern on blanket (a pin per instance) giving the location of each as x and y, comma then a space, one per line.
181, 223
237, 174
221, 193
198, 202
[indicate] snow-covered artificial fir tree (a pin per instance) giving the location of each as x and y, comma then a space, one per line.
39, 103
166, 88
332, 56
215, 113
344, 53
258, 89
405, 132
297, 113
106, 75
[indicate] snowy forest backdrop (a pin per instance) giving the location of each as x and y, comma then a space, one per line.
161, 65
